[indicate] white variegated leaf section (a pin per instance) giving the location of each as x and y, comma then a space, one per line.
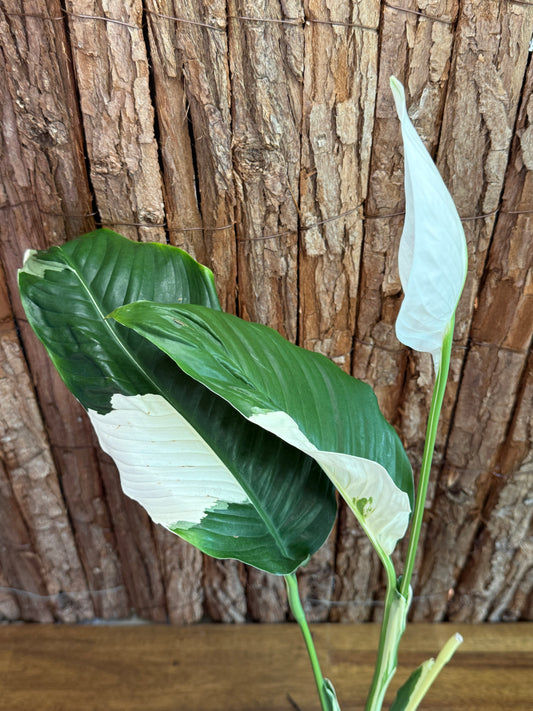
163, 463
384, 514
432, 258
33, 265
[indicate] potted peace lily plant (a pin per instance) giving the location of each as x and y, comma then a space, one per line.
232, 437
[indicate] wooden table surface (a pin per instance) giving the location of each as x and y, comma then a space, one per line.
251, 667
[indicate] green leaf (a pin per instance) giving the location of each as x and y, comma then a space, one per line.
412, 693
67, 291
407, 689
331, 696
227, 486
433, 257
300, 396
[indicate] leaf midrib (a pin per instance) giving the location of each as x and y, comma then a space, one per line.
105, 319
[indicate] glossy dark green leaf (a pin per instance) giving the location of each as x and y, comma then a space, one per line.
300, 396
275, 507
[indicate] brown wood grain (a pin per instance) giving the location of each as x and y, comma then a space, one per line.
217, 667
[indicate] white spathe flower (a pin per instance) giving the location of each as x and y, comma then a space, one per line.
432, 258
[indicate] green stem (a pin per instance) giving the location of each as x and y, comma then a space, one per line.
398, 598
427, 458
299, 615
392, 628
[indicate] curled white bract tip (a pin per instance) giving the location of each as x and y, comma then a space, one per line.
28, 254
432, 258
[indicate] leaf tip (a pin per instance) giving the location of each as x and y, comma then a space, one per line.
28, 254
398, 93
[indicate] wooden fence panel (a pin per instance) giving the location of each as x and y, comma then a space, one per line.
500, 557
262, 138
45, 200
490, 60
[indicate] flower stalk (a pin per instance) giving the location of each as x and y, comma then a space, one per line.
427, 458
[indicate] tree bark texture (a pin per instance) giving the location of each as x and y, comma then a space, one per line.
262, 138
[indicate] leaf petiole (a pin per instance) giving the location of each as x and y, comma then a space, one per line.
325, 692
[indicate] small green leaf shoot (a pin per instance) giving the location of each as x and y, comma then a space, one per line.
411, 694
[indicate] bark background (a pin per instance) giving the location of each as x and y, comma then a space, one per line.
261, 137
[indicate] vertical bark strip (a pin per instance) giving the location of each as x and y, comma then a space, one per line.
112, 70
35, 523
316, 582
266, 70
182, 567
266, 64
225, 582
266, 596
356, 573
111, 66
338, 112
192, 90
191, 68
137, 548
181, 201
339, 86
187, 99
495, 579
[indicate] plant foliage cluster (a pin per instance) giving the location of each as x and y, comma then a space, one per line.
229, 435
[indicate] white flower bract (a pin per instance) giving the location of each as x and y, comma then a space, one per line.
432, 258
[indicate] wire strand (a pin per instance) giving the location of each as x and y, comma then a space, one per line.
222, 228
